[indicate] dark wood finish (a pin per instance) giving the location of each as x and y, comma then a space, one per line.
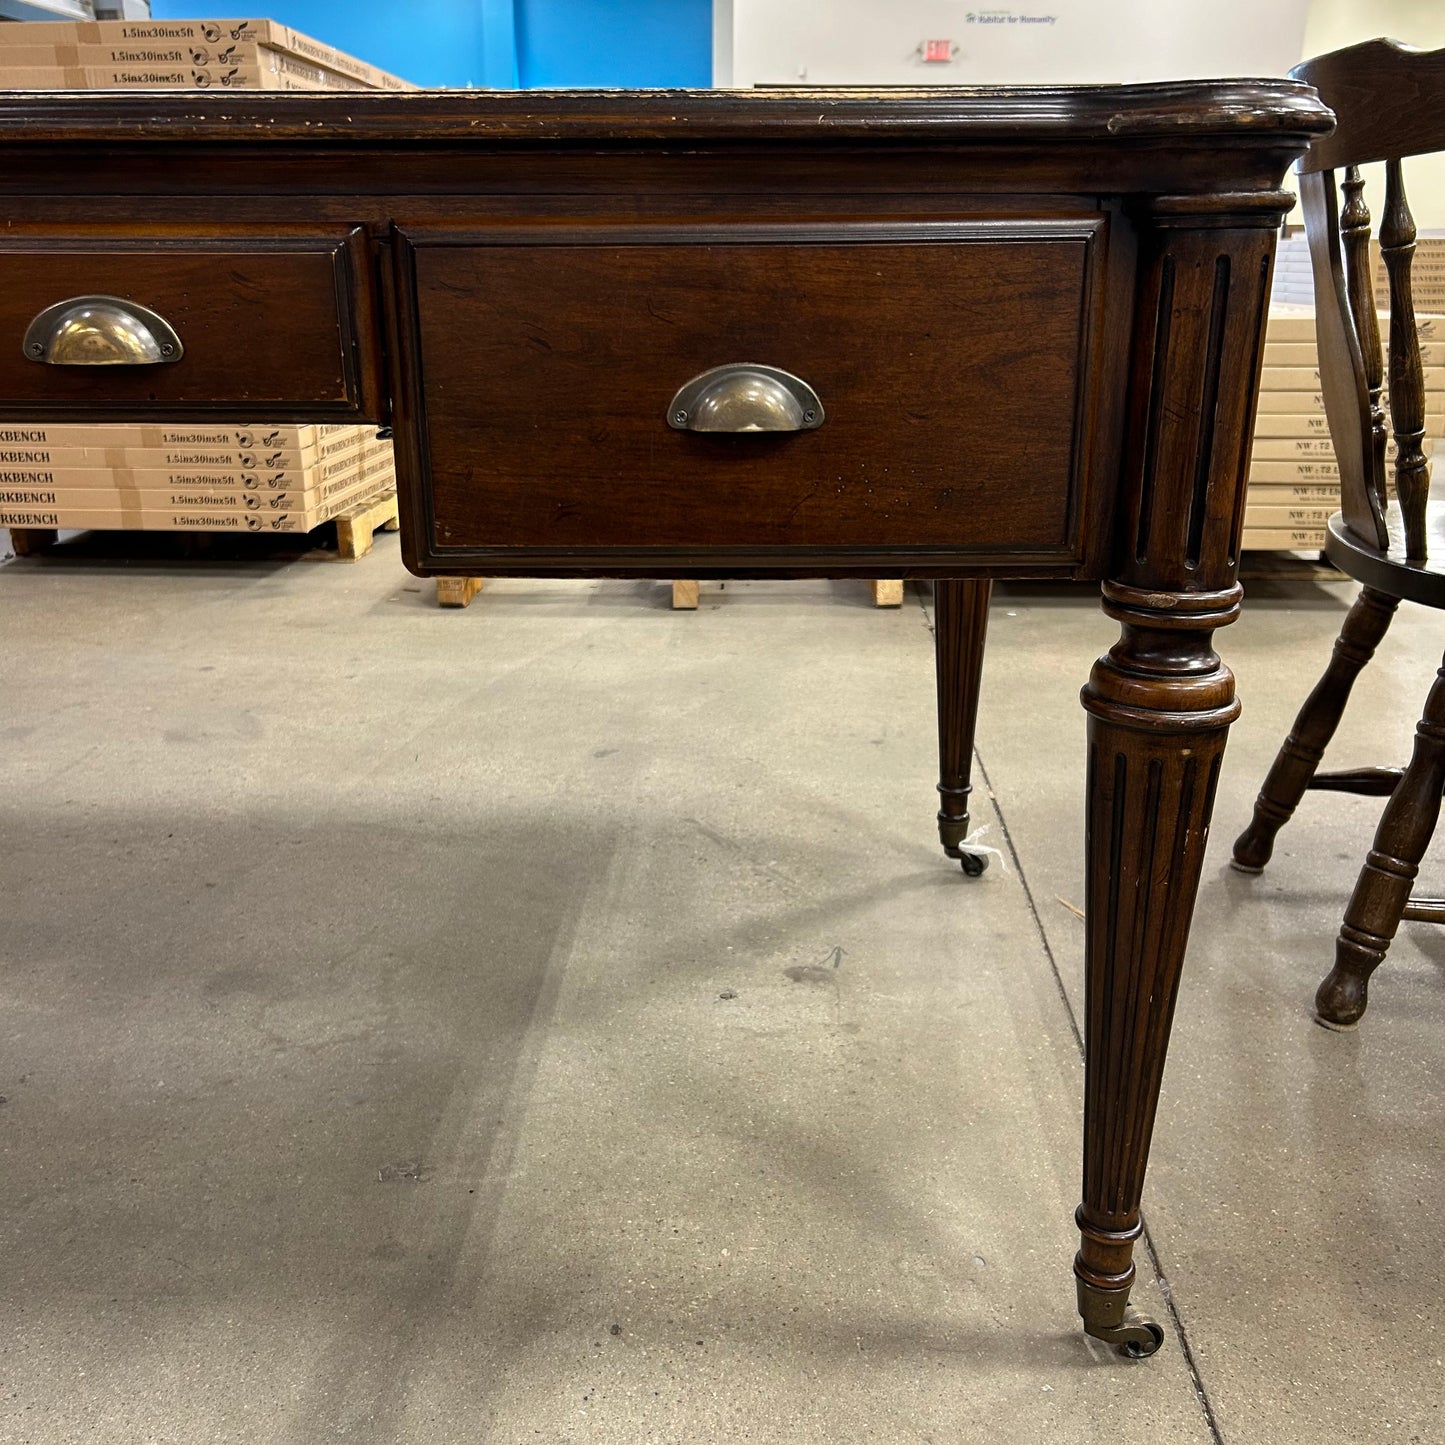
1362, 782
1387, 100
979, 343
1294, 767
552, 267
1407, 378
1261, 121
1383, 889
608, 320
1161, 701
1360, 289
1425, 910
1387, 569
268, 322
1344, 379
960, 623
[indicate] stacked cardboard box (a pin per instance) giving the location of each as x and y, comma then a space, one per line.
1294, 478
1294, 279
182, 478
177, 55
179, 477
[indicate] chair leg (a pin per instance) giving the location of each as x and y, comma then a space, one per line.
1383, 889
960, 627
1295, 765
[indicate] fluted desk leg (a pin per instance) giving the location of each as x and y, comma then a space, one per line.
960, 621
1160, 702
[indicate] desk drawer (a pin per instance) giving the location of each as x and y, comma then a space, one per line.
266, 325
950, 360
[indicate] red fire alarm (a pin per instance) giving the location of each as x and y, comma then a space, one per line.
937, 52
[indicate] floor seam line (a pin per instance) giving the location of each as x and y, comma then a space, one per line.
1013, 853
1206, 1405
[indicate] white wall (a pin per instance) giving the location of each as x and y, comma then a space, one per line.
1334, 24
876, 42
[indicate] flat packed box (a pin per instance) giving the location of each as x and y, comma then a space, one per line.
1316, 469
178, 434
1306, 353
1307, 378
177, 458
1281, 400
1296, 323
236, 60
1309, 424
29, 68
213, 37
159, 78
79, 499
372, 468
99, 488
1287, 448
90, 478
139, 519
1287, 518
1279, 539
379, 470
1293, 494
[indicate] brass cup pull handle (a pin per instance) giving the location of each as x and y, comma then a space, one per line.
745, 397
101, 331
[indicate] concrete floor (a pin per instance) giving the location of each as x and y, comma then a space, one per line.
555, 1022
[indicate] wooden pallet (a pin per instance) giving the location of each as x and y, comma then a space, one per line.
353, 531
886, 593
356, 530
457, 591
27, 541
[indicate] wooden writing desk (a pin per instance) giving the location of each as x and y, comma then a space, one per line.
954, 335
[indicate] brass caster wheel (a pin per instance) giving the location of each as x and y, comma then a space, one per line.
1151, 1336
1108, 1316
1136, 1338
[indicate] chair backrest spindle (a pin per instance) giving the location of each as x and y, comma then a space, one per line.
1407, 378
1387, 103
1360, 286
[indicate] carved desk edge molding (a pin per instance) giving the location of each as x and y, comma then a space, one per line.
1233, 112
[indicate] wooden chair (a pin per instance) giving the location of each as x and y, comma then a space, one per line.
1389, 101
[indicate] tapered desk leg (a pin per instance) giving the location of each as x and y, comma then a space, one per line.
1160, 702
960, 612
1159, 705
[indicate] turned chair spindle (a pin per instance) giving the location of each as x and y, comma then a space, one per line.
1387, 99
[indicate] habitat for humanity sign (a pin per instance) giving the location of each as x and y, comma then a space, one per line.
1008, 17
944, 42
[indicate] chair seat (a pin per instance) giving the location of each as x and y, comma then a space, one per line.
1389, 572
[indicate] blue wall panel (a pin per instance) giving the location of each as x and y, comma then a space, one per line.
501, 42
614, 42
